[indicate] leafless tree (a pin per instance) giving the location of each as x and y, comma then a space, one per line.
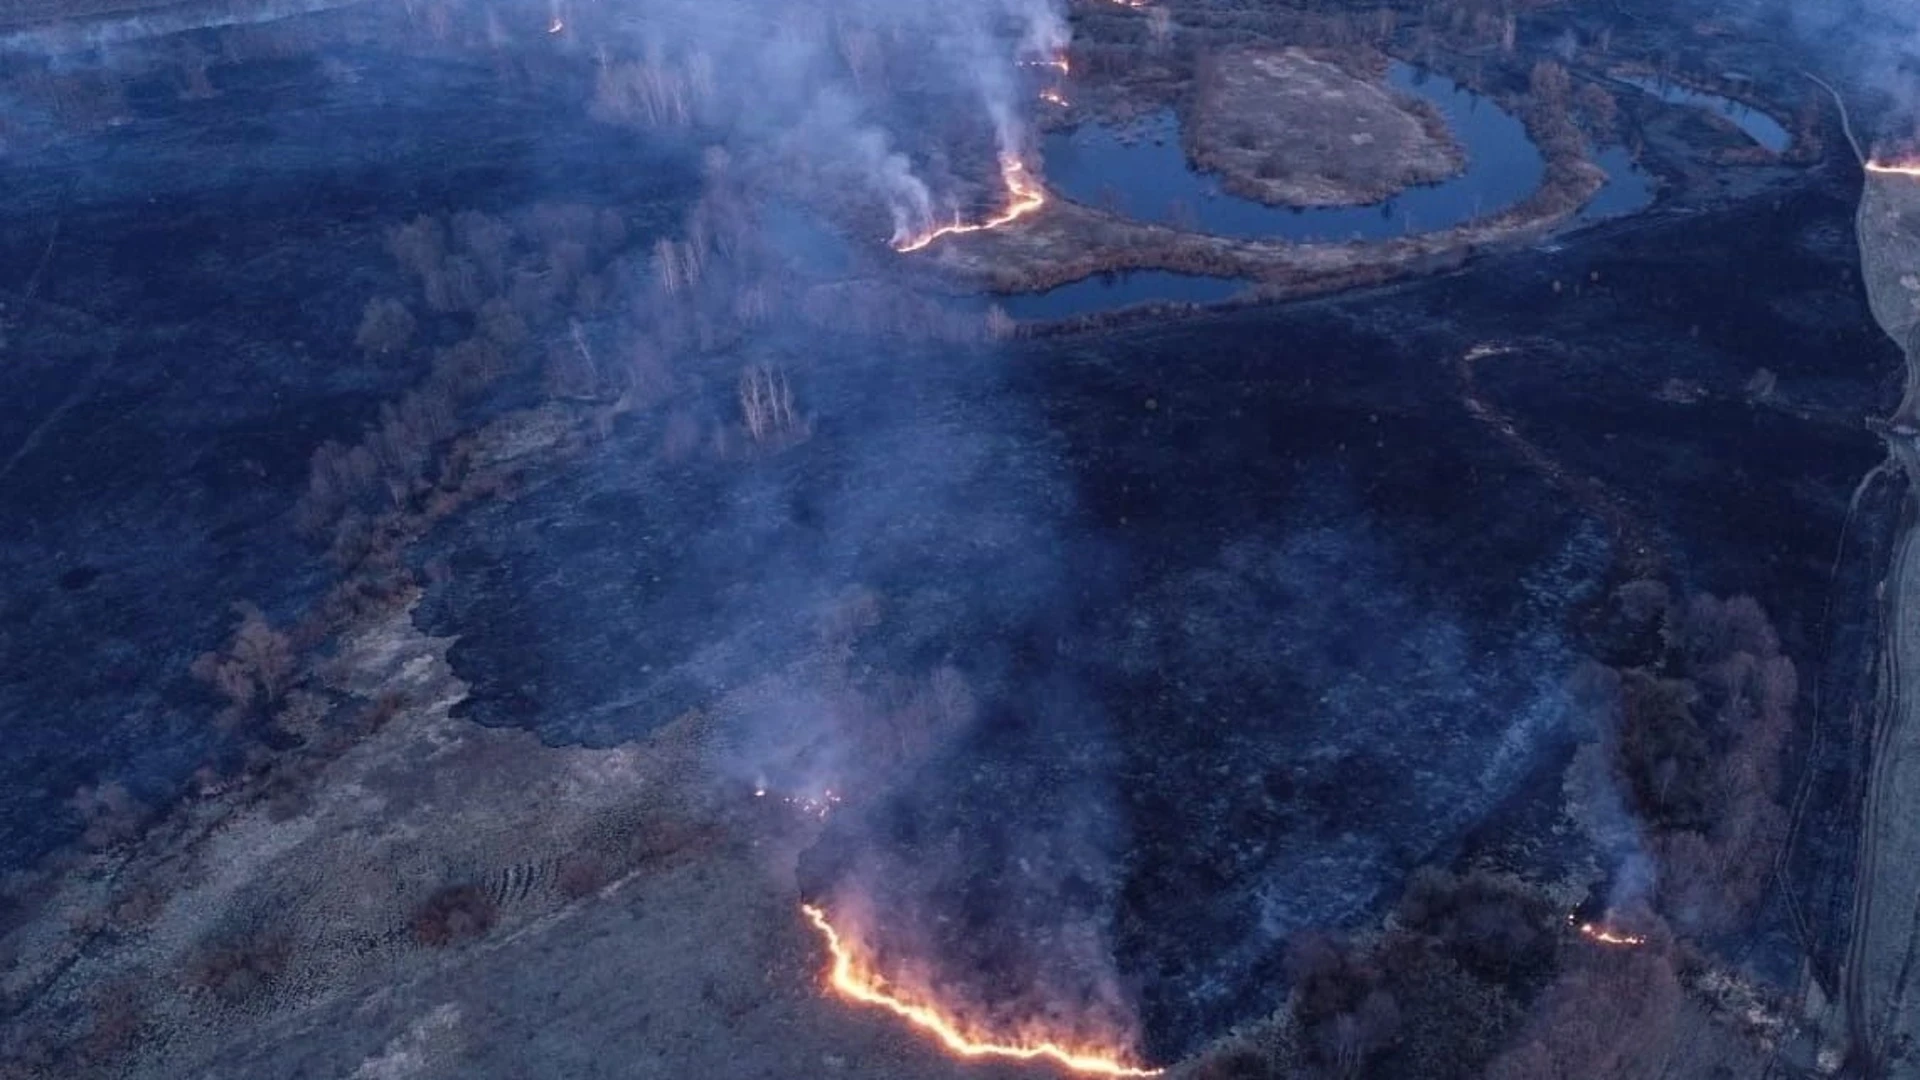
766, 403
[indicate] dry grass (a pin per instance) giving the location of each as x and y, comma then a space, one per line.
1292, 129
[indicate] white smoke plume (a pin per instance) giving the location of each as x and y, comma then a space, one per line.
858, 116
1870, 47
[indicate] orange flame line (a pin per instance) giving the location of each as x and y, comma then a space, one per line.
851, 981
1604, 936
1907, 168
1023, 198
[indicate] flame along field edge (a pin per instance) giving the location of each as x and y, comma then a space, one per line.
849, 979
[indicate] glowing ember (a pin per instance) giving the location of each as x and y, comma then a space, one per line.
852, 979
1058, 63
1023, 198
1054, 97
556, 25
1895, 168
807, 804
1602, 935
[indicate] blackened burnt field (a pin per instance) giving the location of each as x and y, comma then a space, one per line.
1257, 612
180, 301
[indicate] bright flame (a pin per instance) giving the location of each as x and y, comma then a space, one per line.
1601, 935
1023, 198
556, 25
1058, 63
853, 980
1053, 97
1895, 168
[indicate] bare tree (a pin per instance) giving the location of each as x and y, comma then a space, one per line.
766, 403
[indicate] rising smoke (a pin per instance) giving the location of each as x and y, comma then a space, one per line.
1872, 48
910, 588
868, 98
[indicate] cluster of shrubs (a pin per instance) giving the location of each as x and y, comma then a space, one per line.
1612, 1013
1434, 997
236, 965
497, 280
1691, 739
454, 914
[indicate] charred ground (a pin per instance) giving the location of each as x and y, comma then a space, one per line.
1258, 613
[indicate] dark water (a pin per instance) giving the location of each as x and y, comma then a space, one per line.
1760, 127
1141, 171
1108, 292
1629, 187
1144, 174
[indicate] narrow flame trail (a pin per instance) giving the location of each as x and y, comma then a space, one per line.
1023, 198
1895, 168
1059, 63
1601, 935
852, 980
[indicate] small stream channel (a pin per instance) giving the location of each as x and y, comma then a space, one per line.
1757, 125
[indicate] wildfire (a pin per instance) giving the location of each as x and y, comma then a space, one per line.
807, 804
1602, 935
1895, 168
1054, 97
1058, 63
853, 980
1024, 196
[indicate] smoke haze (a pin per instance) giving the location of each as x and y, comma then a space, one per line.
1872, 47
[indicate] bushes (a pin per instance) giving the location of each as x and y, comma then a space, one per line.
1339, 1001
454, 914
580, 873
1495, 928
1693, 740
1235, 1060
1612, 1015
109, 814
235, 966
253, 671
386, 326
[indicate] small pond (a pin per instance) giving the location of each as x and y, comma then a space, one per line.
1760, 127
1141, 171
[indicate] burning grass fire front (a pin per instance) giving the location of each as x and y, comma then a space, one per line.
1908, 168
851, 977
1024, 196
